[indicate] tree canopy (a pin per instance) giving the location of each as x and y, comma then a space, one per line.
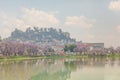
70, 47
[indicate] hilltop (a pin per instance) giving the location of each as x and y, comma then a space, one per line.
40, 35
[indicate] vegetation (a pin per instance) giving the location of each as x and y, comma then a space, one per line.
13, 49
70, 47
19, 49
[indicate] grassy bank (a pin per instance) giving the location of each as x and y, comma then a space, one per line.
56, 57
22, 57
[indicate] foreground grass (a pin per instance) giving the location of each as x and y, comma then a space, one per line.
56, 57
21, 58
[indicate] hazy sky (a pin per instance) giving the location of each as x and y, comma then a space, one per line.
86, 20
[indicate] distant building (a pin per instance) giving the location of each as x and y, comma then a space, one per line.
90, 48
96, 46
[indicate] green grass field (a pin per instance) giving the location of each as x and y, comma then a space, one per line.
56, 56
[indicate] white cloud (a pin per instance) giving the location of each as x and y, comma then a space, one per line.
114, 5
80, 27
28, 18
36, 17
79, 21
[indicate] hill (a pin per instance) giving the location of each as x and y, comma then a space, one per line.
40, 35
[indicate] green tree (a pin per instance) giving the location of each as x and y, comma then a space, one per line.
65, 48
71, 47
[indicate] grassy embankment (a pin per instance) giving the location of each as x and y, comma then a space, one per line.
57, 57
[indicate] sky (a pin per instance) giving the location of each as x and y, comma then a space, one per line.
86, 20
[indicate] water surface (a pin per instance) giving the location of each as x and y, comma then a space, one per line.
61, 69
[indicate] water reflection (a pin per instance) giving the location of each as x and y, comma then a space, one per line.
61, 69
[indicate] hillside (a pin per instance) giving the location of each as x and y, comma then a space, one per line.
40, 35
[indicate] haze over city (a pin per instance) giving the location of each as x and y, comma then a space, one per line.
85, 20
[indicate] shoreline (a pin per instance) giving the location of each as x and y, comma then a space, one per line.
8, 58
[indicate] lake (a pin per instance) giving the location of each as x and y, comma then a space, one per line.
61, 69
